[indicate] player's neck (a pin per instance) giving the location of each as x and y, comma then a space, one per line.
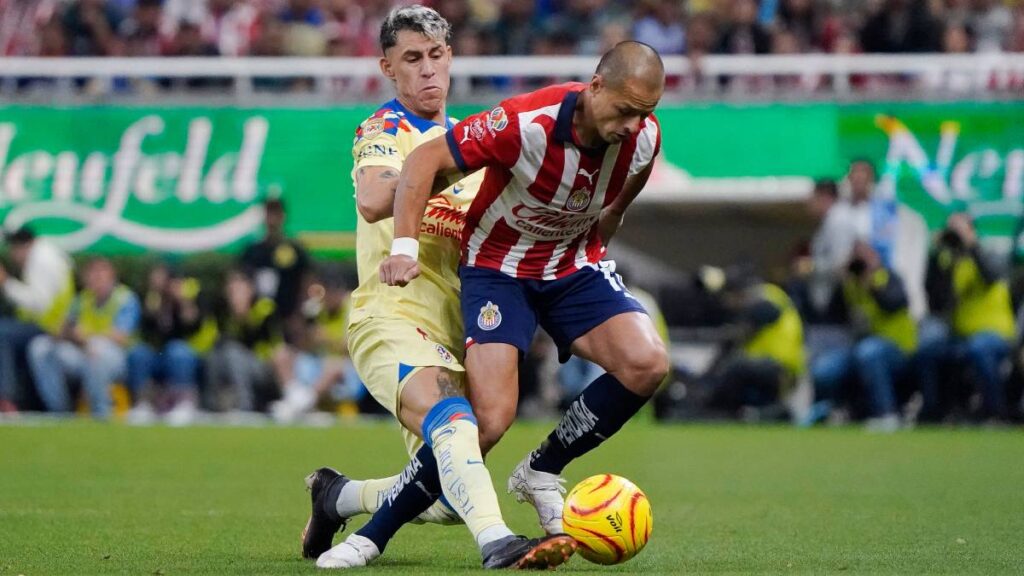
438, 118
588, 137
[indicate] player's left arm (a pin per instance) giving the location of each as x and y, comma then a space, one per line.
611, 215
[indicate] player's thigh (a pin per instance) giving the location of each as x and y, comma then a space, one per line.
591, 314
500, 322
422, 390
627, 346
493, 389
389, 354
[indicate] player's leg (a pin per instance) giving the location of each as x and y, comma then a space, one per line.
493, 389
450, 462
592, 315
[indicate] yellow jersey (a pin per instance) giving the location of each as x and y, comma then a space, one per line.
431, 301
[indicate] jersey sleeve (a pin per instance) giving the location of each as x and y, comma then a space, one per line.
376, 142
648, 145
488, 138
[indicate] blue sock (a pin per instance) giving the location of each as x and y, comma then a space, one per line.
416, 489
599, 411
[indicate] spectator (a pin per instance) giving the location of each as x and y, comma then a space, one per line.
320, 362
229, 25
92, 346
966, 290
515, 31
92, 26
304, 33
278, 265
744, 35
237, 368
176, 329
765, 360
21, 22
901, 26
141, 31
802, 19
887, 338
991, 23
42, 300
661, 27
583, 21
831, 247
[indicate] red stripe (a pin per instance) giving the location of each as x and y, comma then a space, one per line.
632, 516
605, 482
549, 177
619, 551
495, 182
535, 259
601, 506
497, 244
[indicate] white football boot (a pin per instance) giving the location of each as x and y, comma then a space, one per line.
542, 489
353, 552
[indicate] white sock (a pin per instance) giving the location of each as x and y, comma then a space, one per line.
349, 502
491, 534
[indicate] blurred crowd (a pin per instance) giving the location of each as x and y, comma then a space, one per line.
861, 328
509, 27
268, 335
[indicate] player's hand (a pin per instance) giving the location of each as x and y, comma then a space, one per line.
398, 270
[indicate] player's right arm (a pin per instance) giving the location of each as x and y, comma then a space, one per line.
378, 159
375, 192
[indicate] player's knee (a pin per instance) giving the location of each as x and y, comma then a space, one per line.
492, 425
646, 367
438, 422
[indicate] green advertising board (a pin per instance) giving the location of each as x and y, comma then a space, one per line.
190, 179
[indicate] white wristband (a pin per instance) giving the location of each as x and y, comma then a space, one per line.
406, 246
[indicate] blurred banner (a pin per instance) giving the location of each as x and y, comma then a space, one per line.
185, 179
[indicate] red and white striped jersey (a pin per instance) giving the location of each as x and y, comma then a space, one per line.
537, 210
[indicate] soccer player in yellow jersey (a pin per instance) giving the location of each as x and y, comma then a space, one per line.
407, 344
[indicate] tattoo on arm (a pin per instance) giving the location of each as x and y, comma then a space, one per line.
447, 386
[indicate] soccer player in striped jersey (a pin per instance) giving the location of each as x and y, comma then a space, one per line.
407, 343
562, 165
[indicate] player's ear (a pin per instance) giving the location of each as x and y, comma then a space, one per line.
596, 83
386, 69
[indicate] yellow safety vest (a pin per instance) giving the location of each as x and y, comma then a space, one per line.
897, 327
53, 318
782, 340
96, 320
980, 306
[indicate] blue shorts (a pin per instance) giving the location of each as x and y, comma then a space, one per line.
497, 308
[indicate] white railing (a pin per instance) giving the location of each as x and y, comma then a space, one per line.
809, 73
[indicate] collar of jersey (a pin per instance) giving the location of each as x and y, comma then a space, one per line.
563, 124
418, 122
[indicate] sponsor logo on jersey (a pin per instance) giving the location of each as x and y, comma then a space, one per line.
489, 318
444, 354
374, 150
578, 200
372, 128
589, 175
497, 120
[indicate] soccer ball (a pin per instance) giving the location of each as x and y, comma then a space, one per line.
609, 517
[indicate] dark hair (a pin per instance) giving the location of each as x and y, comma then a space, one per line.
22, 235
274, 205
414, 18
867, 161
826, 187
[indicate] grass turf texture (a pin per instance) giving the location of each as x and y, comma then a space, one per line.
81, 498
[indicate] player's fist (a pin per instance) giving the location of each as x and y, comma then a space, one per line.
398, 270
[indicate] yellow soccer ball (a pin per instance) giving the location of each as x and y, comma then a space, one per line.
610, 518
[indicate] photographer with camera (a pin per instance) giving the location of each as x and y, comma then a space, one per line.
966, 291
886, 340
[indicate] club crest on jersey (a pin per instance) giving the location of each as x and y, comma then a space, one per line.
372, 128
489, 318
444, 354
497, 120
578, 200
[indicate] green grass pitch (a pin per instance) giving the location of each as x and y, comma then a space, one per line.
81, 498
